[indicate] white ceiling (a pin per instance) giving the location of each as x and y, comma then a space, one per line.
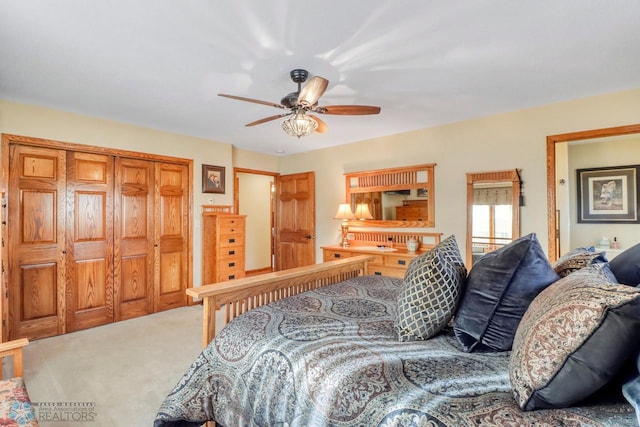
160, 63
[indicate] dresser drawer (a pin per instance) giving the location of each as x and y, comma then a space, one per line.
231, 230
231, 223
231, 240
229, 273
387, 271
409, 213
232, 252
329, 255
397, 261
378, 260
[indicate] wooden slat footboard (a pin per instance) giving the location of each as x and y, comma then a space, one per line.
240, 295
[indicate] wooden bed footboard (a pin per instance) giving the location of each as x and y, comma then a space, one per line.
235, 297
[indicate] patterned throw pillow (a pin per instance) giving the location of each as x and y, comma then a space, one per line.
430, 292
577, 259
573, 339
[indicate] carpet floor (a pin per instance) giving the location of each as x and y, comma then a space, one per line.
113, 375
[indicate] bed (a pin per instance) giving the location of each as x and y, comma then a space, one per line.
316, 346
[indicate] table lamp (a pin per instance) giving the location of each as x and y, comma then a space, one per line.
362, 212
344, 213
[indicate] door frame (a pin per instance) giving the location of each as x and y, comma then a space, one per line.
236, 207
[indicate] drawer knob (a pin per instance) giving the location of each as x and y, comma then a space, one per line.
232, 240
402, 262
377, 273
232, 252
232, 264
233, 276
336, 255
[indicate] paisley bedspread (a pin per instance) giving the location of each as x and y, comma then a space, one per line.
330, 357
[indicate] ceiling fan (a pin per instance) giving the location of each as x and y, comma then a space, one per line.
304, 101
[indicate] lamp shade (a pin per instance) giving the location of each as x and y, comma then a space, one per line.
362, 211
344, 212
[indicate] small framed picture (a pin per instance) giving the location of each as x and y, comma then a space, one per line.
608, 195
423, 192
212, 179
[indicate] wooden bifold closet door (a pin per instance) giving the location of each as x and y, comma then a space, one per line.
89, 240
36, 250
134, 238
93, 239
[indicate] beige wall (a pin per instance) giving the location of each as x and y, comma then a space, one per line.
62, 126
505, 141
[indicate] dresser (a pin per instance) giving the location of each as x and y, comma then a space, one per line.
387, 262
412, 210
223, 246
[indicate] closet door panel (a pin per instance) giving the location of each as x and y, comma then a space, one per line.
172, 183
134, 237
36, 245
89, 240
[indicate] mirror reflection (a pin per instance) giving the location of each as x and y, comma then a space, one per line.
392, 205
492, 211
394, 197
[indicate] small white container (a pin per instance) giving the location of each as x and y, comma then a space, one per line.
412, 245
604, 243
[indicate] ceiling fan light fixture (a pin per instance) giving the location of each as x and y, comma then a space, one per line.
299, 124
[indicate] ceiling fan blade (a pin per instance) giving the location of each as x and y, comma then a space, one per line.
322, 126
312, 91
267, 119
355, 110
255, 101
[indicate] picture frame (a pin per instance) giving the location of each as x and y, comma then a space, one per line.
213, 179
608, 195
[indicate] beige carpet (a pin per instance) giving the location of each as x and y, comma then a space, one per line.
120, 372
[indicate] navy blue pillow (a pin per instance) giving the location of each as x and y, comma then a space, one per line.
626, 266
499, 289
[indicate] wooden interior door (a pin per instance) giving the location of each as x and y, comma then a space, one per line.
172, 235
134, 237
35, 254
89, 240
295, 221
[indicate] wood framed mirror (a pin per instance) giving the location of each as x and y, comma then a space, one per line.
393, 197
560, 213
493, 211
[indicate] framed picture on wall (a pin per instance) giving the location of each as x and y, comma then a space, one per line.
212, 179
608, 195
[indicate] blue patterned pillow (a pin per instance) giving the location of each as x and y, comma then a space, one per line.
499, 288
430, 292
